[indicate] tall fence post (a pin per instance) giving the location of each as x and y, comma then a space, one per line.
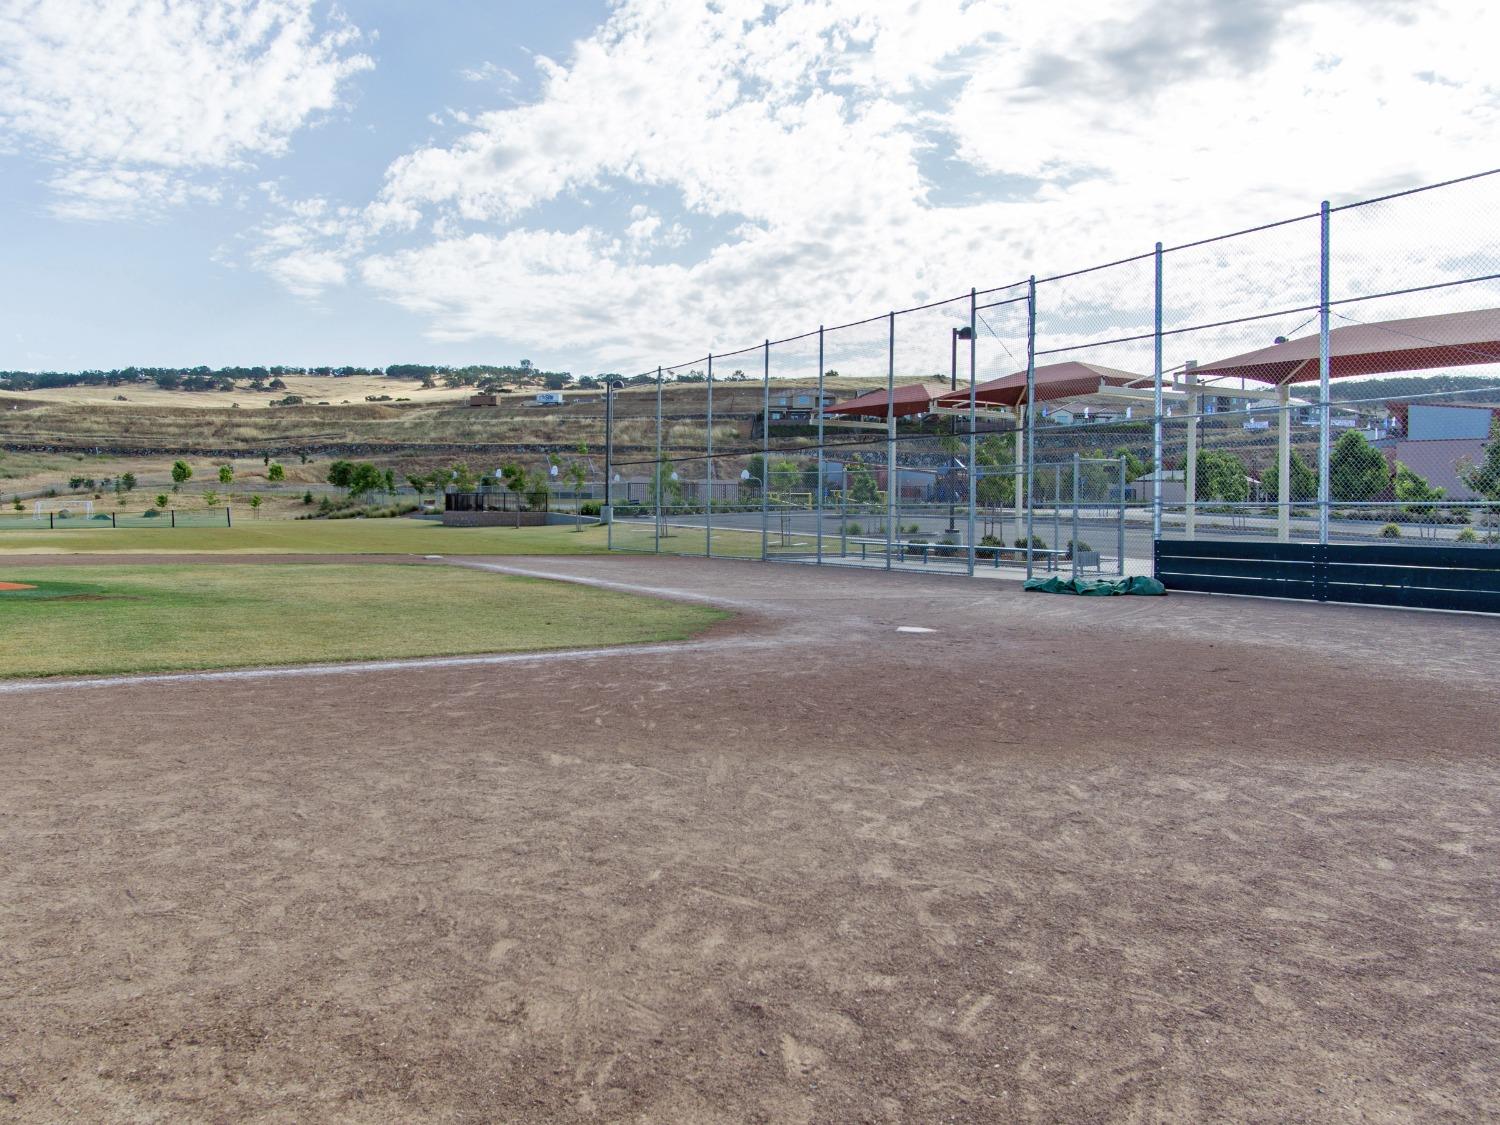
1030, 480
1324, 493
228, 519
1120, 523
1190, 454
1156, 410
822, 479
973, 417
1073, 543
890, 442
708, 467
765, 458
659, 470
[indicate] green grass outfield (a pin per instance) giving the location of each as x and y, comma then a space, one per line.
379, 537
111, 619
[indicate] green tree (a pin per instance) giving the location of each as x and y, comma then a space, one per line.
210, 499
461, 477
861, 484
307, 497
388, 479
786, 475
1221, 476
275, 472
756, 467
1356, 469
182, 472
364, 479
995, 455
162, 500
255, 503
1484, 478
1413, 489
127, 482
75, 483
666, 489
1134, 466
341, 474
1304, 482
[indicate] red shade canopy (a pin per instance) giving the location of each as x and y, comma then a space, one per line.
1414, 344
1071, 379
914, 398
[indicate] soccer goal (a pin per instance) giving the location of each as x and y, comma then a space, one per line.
62, 509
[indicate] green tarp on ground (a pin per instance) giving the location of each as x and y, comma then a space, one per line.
1096, 587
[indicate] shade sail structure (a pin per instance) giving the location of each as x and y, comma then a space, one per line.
1069, 380
1413, 344
913, 398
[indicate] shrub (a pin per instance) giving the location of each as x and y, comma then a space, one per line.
1076, 545
590, 508
1390, 531
307, 497
852, 528
1037, 543
1467, 535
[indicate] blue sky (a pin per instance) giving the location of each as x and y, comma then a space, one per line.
611, 185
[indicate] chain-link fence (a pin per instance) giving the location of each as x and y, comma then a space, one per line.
1331, 377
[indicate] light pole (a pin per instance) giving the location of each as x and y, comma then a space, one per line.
610, 386
964, 333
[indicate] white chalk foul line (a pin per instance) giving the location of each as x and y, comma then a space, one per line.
608, 584
298, 670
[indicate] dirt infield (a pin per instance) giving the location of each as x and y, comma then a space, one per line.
1062, 859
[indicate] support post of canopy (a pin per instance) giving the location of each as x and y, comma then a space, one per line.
1284, 463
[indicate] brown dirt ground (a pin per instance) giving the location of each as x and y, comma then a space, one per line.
1064, 859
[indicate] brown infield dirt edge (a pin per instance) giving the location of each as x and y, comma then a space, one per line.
1064, 859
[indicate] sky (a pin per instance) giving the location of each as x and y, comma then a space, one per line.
605, 186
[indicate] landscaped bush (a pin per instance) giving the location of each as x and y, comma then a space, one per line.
852, 528
589, 508
1467, 535
1037, 543
1390, 531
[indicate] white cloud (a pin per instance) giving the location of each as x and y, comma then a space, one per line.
138, 98
847, 158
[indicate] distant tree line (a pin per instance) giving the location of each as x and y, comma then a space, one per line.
1405, 386
204, 378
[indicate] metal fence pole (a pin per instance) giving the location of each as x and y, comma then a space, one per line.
1120, 525
765, 457
1056, 508
708, 467
1323, 421
659, 471
1030, 478
890, 441
1073, 546
973, 415
822, 482
1156, 409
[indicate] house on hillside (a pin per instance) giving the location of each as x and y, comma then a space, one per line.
1439, 441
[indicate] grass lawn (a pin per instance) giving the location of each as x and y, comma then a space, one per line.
392, 536
110, 619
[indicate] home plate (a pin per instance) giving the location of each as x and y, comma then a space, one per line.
913, 629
